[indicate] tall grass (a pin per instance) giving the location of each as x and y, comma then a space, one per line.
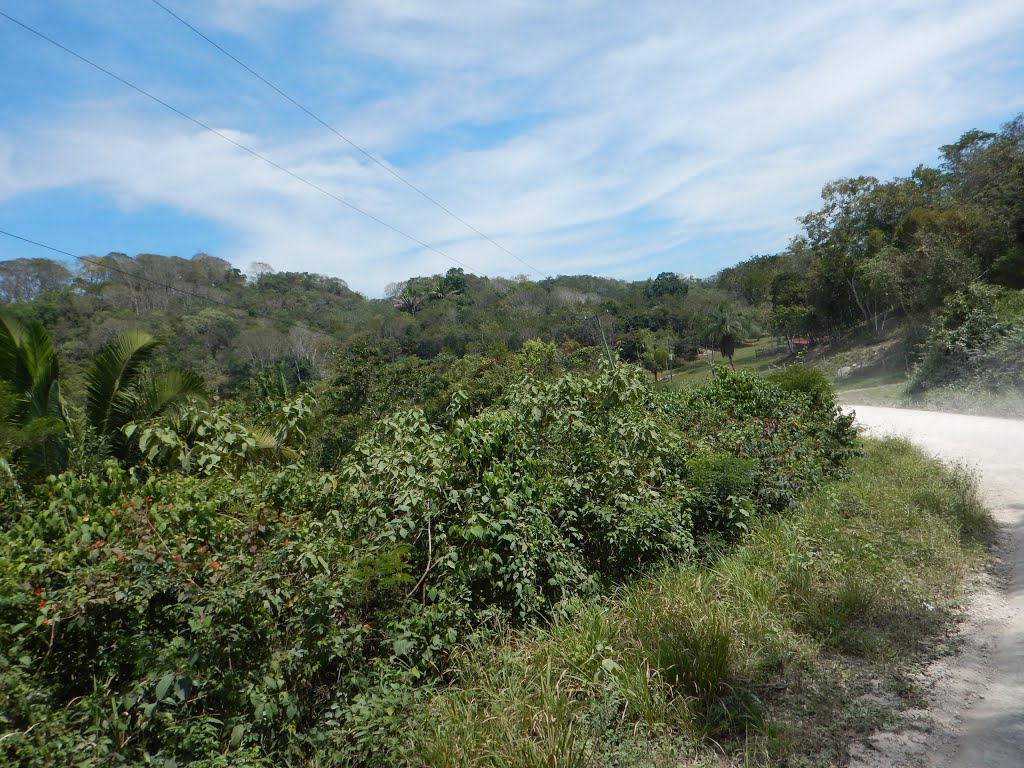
753, 655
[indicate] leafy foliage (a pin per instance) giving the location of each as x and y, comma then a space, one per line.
283, 577
876, 250
240, 607
726, 328
765, 654
29, 363
121, 389
976, 339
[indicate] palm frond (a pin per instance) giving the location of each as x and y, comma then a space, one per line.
112, 371
266, 440
12, 363
29, 362
151, 394
44, 395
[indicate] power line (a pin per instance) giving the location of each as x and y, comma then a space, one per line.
348, 141
228, 139
167, 286
607, 349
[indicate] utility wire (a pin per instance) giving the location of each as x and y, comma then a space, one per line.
351, 143
193, 294
604, 339
228, 139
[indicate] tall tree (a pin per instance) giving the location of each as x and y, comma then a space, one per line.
24, 279
726, 327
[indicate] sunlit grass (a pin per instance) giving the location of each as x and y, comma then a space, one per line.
693, 373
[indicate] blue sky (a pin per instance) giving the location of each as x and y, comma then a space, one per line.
620, 139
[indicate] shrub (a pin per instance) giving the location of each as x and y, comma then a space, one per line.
792, 445
976, 331
807, 381
776, 643
725, 486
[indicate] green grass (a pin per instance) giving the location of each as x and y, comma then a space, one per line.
890, 395
777, 653
691, 374
872, 380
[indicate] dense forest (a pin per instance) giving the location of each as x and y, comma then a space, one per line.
875, 254
258, 519
228, 326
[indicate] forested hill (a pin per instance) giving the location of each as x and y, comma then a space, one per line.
227, 326
263, 520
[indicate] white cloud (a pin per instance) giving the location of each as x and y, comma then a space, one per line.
653, 127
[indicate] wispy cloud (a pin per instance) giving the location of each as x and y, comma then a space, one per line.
584, 136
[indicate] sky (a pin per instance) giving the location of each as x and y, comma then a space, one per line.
611, 138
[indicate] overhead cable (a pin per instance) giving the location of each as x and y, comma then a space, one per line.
348, 141
228, 139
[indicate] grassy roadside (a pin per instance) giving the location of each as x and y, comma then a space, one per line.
779, 652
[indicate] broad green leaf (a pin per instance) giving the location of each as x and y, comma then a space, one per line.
164, 686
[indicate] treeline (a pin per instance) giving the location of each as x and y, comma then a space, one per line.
228, 326
875, 251
879, 250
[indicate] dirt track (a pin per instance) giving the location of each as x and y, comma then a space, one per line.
975, 716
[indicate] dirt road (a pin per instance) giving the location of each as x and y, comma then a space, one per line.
975, 715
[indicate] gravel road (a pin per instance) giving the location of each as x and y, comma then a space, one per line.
975, 715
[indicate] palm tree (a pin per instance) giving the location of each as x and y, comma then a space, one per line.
725, 327
443, 288
120, 387
32, 414
28, 362
409, 300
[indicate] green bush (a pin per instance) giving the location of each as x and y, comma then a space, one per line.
775, 645
792, 444
235, 612
725, 485
975, 340
808, 381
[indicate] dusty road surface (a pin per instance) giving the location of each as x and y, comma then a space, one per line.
975, 715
